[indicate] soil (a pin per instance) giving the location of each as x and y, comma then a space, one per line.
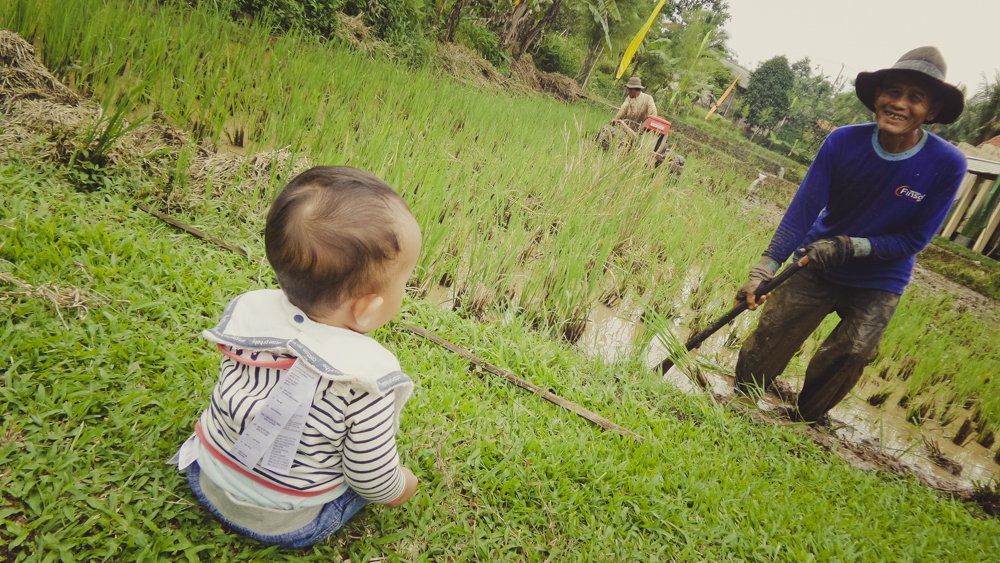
966, 300
42, 117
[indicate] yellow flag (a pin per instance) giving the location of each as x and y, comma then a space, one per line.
725, 95
637, 40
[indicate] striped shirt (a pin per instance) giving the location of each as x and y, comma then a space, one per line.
349, 435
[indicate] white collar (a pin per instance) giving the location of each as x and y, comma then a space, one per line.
265, 320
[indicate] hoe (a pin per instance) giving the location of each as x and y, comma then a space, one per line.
696, 339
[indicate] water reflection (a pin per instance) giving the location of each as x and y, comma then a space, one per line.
612, 334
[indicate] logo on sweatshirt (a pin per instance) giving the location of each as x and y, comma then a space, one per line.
905, 191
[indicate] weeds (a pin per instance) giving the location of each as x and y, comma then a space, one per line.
94, 408
88, 162
519, 211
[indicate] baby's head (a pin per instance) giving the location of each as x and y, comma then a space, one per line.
343, 245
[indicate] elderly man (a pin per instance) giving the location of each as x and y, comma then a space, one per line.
872, 199
638, 105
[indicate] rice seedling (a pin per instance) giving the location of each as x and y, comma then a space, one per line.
519, 210
504, 476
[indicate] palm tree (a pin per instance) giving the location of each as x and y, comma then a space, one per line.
694, 47
981, 119
985, 110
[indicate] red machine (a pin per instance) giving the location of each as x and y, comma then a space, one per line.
658, 124
661, 126
619, 135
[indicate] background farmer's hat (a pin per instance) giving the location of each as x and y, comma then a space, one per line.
634, 82
927, 62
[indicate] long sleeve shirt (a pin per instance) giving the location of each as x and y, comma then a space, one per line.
637, 108
855, 188
347, 392
349, 439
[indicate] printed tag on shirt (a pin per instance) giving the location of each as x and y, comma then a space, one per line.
280, 456
187, 454
296, 387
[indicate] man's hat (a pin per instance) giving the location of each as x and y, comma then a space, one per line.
634, 82
924, 61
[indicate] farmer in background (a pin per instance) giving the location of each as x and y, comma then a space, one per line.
872, 199
638, 105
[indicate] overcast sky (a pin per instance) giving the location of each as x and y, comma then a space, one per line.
868, 35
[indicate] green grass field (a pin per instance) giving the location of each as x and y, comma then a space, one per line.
524, 215
518, 208
97, 398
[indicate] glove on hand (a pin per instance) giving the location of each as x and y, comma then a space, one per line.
830, 253
762, 272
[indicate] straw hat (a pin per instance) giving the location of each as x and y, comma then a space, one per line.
924, 61
634, 82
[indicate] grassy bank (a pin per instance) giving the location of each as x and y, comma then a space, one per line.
520, 211
103, 383
725, 135
960, 264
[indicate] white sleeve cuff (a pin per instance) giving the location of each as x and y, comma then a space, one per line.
862, 247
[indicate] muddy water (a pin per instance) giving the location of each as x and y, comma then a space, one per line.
611, 335
441, 296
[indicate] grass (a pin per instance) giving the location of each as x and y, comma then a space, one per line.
96, 400
726, 136
467, 161
519, 210
960, 264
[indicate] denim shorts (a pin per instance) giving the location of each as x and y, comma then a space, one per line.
331, 517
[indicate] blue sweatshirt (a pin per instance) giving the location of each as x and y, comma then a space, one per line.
855, 188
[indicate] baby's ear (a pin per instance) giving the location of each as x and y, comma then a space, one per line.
366, 310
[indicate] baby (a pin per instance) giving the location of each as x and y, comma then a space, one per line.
301, 429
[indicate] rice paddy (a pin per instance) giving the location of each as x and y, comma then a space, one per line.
528, 224
518, 208
98, 392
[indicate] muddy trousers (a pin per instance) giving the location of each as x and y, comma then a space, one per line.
791, 314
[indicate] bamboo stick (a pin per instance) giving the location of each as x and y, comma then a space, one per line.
965, 194
522, 383
991, 226
193, 231
475, 360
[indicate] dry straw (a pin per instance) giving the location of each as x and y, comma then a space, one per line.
40, 115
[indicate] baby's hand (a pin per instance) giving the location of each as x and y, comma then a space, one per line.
409, 488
